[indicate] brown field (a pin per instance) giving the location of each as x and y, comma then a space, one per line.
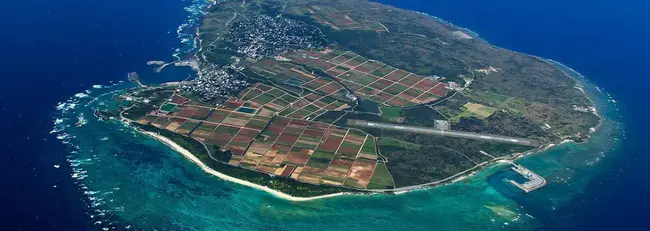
440, 89
370, 77
284, 146
161, 122
479, 110
259, 148
175, 124
177, 99
362, 171
298, 158
309, 178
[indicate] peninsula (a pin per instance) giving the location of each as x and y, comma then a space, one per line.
309, 98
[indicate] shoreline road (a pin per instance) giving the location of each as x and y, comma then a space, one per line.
457, 134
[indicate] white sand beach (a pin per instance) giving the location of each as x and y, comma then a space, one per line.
187, 154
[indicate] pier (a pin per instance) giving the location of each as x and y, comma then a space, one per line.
534, 181
192, 63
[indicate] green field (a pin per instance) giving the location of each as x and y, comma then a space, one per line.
398, 143
369, 147
381, 178
395, 89
320, 159
168, 107
189, 125
391, 112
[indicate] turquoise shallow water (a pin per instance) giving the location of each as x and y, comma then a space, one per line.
128, 180
134, 181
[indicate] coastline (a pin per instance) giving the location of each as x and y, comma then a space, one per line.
198, 55
398, 191
188, 155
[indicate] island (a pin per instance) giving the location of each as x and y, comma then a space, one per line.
309, 99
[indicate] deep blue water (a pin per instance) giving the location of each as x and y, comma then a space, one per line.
54, 49
608, 42
50, 50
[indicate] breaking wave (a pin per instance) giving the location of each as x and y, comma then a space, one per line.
79, 133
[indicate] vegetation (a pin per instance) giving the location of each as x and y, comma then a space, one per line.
381, 179
422, 165
510, 94
426, 46
417, 158
281, 184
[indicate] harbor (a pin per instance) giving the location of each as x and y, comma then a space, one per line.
534, 182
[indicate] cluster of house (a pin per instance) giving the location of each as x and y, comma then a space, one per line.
264, 36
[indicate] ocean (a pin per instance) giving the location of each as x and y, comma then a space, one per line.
77, 173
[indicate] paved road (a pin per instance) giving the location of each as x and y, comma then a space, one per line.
432, 131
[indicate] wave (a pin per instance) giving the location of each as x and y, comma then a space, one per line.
186, 32
81, 95
72, 128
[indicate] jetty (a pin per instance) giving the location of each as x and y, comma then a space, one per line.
534, 182
133, 76
192, 63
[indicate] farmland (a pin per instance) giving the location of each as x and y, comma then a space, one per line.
372, 79
337, 19
257, 136
335, 61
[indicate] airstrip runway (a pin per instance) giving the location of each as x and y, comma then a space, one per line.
457, 134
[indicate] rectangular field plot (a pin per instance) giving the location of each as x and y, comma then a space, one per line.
369, 78
185, 112
218, 116
308, 176
174, 124
331, 143
147, 119
351, 75
259, 148
244, 136
383, 97
257, 123
168, 107
366, 80
369, 66
395, 89
236, 119
397, 75
369, 149
440, 89
232, 104
222, 135
410, 94
320, 160
352, 63
397, 102
425, 84
203, 131
177, 99
322, 64
381, 178
298, 156
187, 127
360, 173
426, 98
201, 113
383, 71
380, 84
161, 122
